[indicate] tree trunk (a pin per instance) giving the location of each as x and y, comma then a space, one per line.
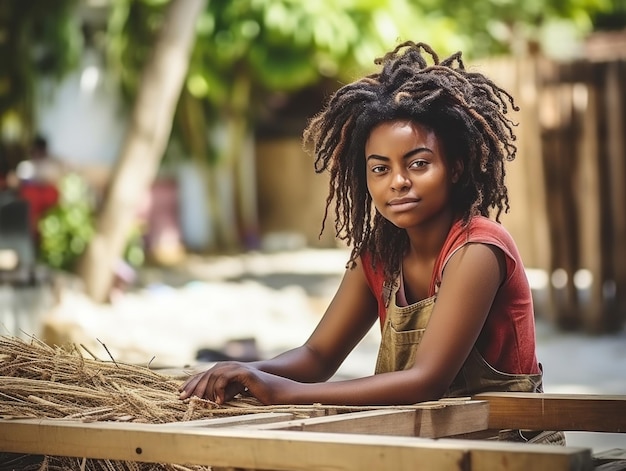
242, 162
144, 145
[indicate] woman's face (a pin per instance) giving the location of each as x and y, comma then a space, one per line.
407, 173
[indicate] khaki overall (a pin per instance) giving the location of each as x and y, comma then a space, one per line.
402, 332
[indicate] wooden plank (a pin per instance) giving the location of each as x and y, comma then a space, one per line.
528, 221
371, 422
555, 116
441, 420
234, 421
566, 412
587, 176
615, 99
280, 450
529, 161
453, 419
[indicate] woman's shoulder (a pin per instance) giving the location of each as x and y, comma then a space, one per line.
483, 229
483, 222
479, 230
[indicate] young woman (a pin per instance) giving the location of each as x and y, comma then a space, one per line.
416, 156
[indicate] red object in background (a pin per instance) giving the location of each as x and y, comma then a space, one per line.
163, 237
40, 197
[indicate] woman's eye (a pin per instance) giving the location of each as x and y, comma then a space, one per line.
418, 164
378, 169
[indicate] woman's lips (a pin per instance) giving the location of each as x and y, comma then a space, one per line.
403, 204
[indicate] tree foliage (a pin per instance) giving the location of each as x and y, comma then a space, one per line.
247, 50
287, 45
282, 44
508, 26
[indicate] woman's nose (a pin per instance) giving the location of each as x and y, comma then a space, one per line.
400, 181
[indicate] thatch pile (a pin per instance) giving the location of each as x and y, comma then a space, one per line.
43, 382
40, 381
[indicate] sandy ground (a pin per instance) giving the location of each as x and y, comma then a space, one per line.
262, 304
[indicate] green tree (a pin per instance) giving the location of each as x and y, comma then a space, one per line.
612, 17
246, 49
508, 26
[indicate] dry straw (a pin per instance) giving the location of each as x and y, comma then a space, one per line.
71, 383
41, 381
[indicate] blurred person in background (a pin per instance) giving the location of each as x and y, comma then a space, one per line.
37, 181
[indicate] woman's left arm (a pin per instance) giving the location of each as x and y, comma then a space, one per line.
469, 285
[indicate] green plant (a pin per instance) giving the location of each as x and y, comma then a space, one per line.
66, 229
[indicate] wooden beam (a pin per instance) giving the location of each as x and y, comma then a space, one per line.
615, 102
371, 422
234, 421
453, 419
444, 420
567, 412
590, 206
279, 450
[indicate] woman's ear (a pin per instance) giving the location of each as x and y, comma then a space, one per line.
457, 170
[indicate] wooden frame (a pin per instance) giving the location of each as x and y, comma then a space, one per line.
571, 412
381, 438
249, 448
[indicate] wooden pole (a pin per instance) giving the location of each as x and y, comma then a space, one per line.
143, 147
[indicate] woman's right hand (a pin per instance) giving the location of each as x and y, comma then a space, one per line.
202, 384
225, 380
349, 317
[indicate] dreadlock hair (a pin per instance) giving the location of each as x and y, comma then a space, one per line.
467, 112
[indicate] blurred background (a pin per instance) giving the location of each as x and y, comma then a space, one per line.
155, 198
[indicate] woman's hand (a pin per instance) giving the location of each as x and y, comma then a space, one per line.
299, 375
224, 381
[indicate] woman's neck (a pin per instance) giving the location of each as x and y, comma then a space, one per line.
426, 241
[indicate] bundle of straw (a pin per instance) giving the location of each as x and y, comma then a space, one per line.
40, 381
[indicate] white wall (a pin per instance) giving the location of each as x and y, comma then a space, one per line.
82, 116
84, 121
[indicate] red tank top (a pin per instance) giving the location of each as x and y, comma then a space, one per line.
507, 340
